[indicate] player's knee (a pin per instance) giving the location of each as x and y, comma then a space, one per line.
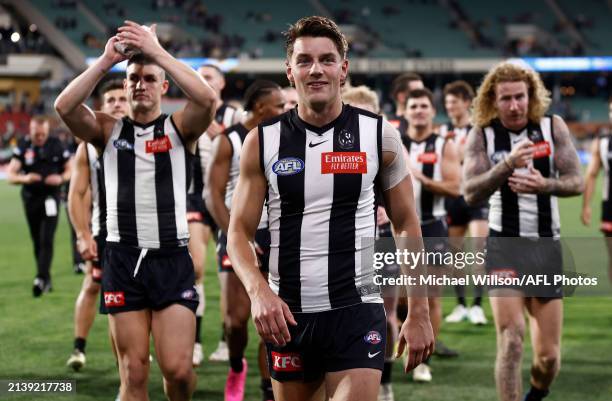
179, 374
236, 323
92, 288
548, 361
135, 371
198, 269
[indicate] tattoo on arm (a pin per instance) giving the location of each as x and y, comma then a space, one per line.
570, 181
480, 179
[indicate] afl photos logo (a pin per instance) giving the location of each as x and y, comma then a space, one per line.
288, 166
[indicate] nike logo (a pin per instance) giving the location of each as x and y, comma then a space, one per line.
143, 134
373, 355
312, 145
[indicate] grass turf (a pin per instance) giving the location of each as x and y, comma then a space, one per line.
36, 334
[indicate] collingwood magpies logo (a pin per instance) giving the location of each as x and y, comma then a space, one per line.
346, 139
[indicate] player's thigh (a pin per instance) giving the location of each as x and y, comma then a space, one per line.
353, 384
131, 332
197, 247
298, 390
545, 324
173, 330
508, 309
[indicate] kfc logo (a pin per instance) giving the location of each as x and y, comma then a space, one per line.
286, 362
504, 273
114, 299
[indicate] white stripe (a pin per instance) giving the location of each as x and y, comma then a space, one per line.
314, 246
603, 154
495, 208
439, 210
364, 216
234, 169
111, 183
415, 150
179, 180
147, 228
92, 158
271, 141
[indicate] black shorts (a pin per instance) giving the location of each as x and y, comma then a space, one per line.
459, 213
530, 257
97, 269
164, 277
435, 236
331, 341
262, 240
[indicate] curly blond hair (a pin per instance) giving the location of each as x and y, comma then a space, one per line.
484, 103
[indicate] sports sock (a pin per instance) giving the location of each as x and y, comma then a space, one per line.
198, 336
236, 364
402, 312
535, 394
461, 301
79, 343
386, 374
477, 301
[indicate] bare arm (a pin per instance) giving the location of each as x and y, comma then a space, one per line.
451, 173
480, 179
86, 124
15, 177
270, 313
197, 114
570, 182
79, 203
589, 186
416, 332
217, 176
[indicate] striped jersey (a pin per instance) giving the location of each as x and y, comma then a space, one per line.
605, 154
146, 173
98, 202
426, 156
458, 134
321, 204
523, 215
236, 135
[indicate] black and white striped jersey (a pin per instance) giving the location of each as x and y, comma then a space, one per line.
457, 134
236, 135
426, 156
225, 116
146, 172
98, 202
321, 204
523, 215
605, 153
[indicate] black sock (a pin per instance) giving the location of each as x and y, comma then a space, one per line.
386, 374
477, 301
266, 389
198, 338
461, 301
236, 364
223, 333
535, 394
79, 343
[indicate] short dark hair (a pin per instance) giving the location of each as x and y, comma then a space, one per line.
315, 26
460, 89
110, 85
214, 67
39, 119
256, 91
418, 93
142, 59
401, 82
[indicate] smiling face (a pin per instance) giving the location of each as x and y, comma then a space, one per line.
318, 70
115, 103
420, 112
512, 104
145, 85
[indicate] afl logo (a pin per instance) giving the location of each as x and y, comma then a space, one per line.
373, 337
122, 144
288, 166
346, 140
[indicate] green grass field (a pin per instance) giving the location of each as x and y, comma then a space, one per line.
36, 334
